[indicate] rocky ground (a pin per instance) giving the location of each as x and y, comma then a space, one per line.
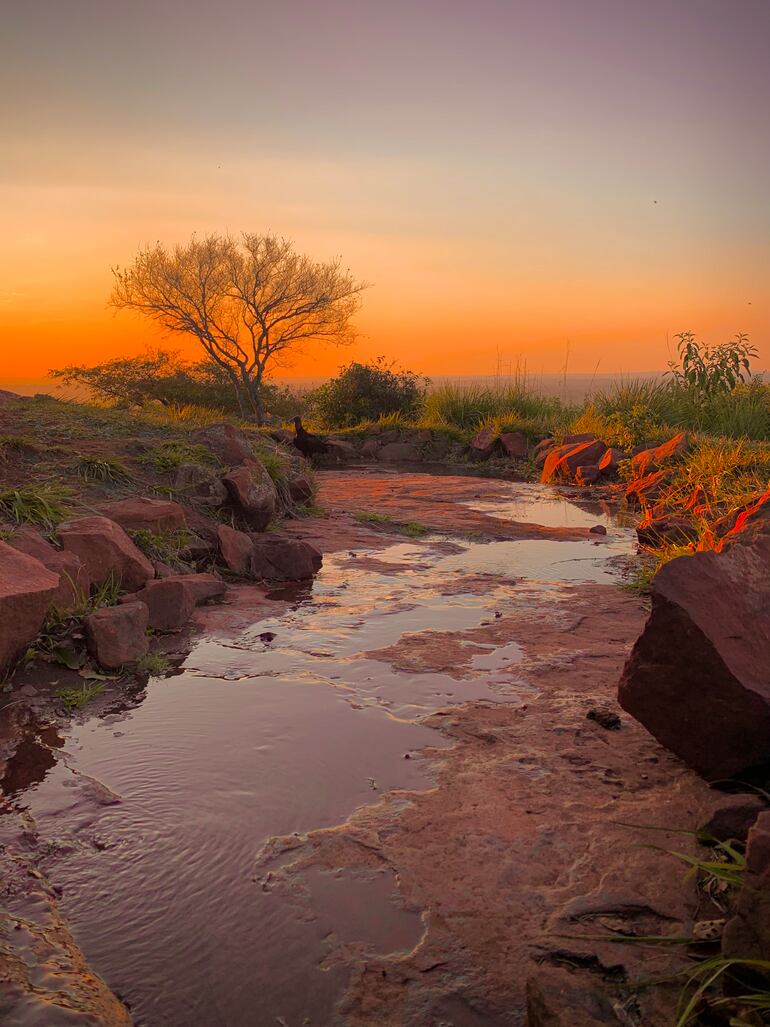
530, 851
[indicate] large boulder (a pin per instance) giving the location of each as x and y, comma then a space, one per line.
169, 601
645, 491
611, 461
27, 589
649, 460
252, 494
230, 445
562, 462
74, 582
747, 933
117, 635
236, 549
198, 483
284, 559
697, 677
140, 513
105, 549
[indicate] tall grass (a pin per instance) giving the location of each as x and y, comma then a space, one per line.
469, 406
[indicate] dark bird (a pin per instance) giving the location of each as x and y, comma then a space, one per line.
308, 444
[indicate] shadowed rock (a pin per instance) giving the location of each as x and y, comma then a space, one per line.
74, 581
236, 549
117, 635
697, 677
252, 494
227, 443
139, 513
284, 559
747, 934
105, 549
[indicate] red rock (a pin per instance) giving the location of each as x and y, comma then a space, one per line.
199, 484
252, 494
749, 519
598, 529
515, 444
169, 601
228, 443
27, 589
371, 448
139, 513
574, 440
543, 445
284, 559
557, 997
105, 549
204, 587
340, 451
643, 491
117, 635
393, 452
734, 817
747, 933
586, 474
562, 462
301, 488
483, 443
74, 582
649, 460
609, 463
237, 550
697, 677
162, 570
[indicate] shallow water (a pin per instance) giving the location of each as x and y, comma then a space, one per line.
156, 813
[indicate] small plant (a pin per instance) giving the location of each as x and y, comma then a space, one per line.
41, 504
155, 665
17, 444
170, 455
164, 546
413, 529
93, 468
709, 370
76, 698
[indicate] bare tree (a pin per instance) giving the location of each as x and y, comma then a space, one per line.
247, 302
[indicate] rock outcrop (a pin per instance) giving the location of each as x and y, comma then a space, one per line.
747, 933
105, 550
27, 589
697, 677
74, 581
117, 635
140, 513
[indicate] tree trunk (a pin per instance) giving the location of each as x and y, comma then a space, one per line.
254, 392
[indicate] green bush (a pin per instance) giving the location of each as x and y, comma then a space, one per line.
367, 392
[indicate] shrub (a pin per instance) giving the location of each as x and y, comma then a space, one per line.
709, 370
367, 392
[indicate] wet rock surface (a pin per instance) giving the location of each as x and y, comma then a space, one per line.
378, 797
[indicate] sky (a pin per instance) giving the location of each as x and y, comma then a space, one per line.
532, 181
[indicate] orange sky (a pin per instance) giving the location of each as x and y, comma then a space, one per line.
509, 185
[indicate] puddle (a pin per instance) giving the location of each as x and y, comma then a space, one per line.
284, 727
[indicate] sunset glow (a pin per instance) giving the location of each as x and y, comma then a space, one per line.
497, 208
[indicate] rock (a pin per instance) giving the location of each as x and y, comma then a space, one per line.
200, 484
574, 440
598, 529
586, 474
117, 635
237, 550
734, 817
750, 519
162, 570
371, 448
657, 531
483, 443
105, 549
139, 513
610, 462
604, 717
747, 933
649, 460
230, 445
301, 488
198, 551
340, 451
643, 491
393, 452
559, 998
543, 446
252, 494
202, 587
74, 582
27, 589
284, 559
170, 602
515, 444
697, 676
562, 462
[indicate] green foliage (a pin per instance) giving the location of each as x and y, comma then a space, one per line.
75, 698
17, 444
515, 406
710, 370
412, 529
34, 504
170, 455
106, 469
155, 665
367, 392
163, 545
